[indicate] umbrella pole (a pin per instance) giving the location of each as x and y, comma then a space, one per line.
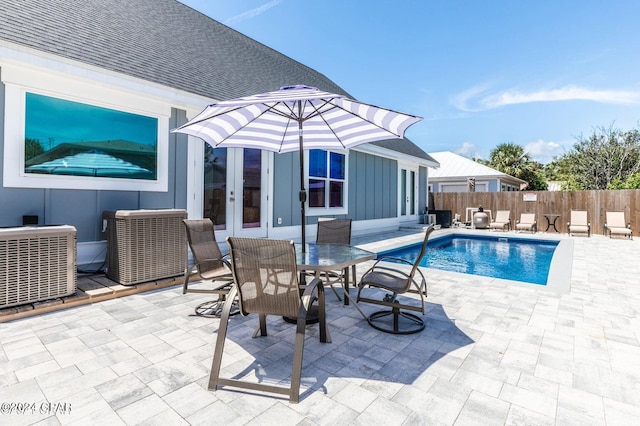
303, 193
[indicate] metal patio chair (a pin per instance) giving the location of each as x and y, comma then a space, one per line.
333, 231
210, 265
579, 223
266, 283
396, 282
617, 225
527, 222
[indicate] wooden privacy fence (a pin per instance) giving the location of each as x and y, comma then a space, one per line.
596, 203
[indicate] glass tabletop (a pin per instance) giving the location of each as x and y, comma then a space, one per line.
330, 256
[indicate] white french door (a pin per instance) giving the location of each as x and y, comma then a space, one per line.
235, 191
407, 194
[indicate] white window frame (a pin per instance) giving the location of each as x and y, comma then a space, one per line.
321, 211
19, 80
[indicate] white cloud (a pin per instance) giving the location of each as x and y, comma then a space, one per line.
543, 151
467, 149
478, 98
252, 13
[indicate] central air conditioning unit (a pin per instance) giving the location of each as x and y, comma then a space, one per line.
145, 245
37, 264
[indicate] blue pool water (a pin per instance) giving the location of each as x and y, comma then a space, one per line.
517, 259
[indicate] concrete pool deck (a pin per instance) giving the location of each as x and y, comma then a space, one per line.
492, 353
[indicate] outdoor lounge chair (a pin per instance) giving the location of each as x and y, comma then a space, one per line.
617, 225
394, 282
502, 220
209, 265
579, 223
527, 222
333, 231
266, 282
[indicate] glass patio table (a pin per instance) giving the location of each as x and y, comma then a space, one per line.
331, 257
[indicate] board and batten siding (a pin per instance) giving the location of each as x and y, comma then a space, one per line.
83, 208
373, 191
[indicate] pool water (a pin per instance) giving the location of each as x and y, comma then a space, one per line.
517, 259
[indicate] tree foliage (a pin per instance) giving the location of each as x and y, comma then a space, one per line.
32, 148
607, 158
513, 160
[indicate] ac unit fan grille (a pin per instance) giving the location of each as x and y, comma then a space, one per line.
37, 267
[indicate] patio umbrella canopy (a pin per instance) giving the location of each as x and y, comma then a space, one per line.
296, 118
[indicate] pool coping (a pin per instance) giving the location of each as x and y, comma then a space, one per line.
558, 280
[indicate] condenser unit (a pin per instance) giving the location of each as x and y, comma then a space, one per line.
36, 264
145, 245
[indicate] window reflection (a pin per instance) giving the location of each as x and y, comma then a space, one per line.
75, 139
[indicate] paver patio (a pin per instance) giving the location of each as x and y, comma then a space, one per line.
493, 352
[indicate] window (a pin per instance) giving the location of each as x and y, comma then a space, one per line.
70, 133
327, 179
76, 139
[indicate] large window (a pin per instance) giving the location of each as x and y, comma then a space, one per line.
68, 132
76, 139
327, 179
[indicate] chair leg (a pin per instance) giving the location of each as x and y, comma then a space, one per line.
222, 335
262, 326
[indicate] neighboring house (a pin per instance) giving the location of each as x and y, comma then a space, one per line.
455, 171
114, 76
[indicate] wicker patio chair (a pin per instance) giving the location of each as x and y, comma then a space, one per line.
394, 282
527, 222
579, 223
502, 220
266, 282
617, 225
210, 265
333, 231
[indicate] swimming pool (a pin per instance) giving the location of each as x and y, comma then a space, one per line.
512, 258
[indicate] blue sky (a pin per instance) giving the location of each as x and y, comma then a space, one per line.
536, 73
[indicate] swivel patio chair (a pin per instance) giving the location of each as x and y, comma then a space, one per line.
579, 223
502, 220
617, 225
210, 265
266, 282
394, 281
333, 231
527, 222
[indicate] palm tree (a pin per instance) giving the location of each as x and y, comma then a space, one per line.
513, 160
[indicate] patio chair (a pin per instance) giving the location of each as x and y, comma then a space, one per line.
579, 223
210, 265
617, 225
502, 220
333, 231
527, 222
394, 281
266, 282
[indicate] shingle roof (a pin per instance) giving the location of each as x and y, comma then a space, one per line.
456, 166
162, 41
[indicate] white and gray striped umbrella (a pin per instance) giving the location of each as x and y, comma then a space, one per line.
296, 118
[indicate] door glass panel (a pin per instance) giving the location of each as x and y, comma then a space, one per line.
403, 192
251, 195
215, 185
412, 192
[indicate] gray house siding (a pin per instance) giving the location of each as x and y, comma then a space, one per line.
373, 191
286, 185
83, 208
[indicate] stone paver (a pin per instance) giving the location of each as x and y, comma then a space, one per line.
493, 352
